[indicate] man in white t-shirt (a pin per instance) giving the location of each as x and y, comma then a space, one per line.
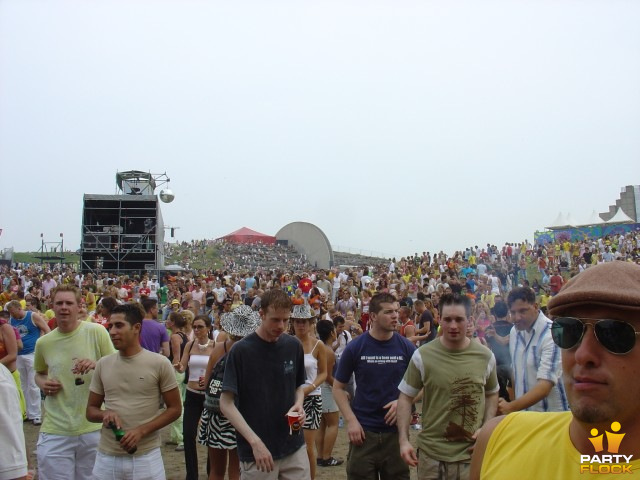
336, 286
48, 284
343, 337
13, 455
494, 283
220, 292
365, 278
153, 286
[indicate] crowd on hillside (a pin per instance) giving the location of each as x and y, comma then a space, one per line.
260, 256
188, 254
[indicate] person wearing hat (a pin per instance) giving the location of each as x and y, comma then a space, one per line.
596, 323
153, 286
315, 365
216, 432
172, 306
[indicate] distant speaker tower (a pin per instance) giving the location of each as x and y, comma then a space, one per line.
124, 233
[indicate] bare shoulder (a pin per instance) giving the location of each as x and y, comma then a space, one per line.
481, 446
490, 426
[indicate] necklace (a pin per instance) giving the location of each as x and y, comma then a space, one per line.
203, 348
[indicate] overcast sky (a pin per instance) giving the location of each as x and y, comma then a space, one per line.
394, 126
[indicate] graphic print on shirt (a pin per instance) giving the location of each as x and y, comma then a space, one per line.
288, 367
464, 407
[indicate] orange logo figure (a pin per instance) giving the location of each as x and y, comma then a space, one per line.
596, 440
613, 439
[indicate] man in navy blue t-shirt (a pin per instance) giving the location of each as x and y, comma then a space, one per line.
378, 358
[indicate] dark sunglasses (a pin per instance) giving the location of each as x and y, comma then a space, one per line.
616, 336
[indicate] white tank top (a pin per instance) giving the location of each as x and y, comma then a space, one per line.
197, 366
311, 369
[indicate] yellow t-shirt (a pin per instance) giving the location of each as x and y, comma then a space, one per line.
489, 299
536, 445
544, 300
54, 353
90, 300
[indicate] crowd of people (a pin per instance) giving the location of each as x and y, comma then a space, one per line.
188, 254
198, 352
260, 256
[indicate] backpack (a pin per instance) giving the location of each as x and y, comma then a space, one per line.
214, 387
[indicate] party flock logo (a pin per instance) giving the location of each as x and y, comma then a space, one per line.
613, 463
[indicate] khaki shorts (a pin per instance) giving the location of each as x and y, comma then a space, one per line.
291, 467
430, 469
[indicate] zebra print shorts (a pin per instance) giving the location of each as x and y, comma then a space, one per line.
215, 431
312, 411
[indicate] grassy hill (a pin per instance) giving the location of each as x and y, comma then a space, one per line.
31, 257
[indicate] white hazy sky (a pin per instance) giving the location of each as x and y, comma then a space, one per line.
394, 126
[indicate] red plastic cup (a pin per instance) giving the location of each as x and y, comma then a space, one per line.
294, 422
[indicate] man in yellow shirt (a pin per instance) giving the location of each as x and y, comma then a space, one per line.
64, 361
596, 323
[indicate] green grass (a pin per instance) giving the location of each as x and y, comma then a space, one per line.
211, 260
31, 257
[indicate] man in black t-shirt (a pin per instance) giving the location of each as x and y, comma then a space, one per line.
263, 384
497, 335
426, 323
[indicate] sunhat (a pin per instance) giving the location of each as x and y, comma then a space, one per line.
241, 321
302, 312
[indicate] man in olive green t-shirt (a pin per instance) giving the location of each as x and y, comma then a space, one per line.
459, 377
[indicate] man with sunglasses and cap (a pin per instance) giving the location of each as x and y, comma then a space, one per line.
596, 324
535, 358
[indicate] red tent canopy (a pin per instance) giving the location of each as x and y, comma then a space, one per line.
246, 235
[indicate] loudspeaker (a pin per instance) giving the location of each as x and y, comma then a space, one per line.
121, 233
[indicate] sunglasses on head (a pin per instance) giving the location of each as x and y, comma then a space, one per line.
616, 336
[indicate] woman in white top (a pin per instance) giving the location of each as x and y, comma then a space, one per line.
328, 431
315, 365
196, 356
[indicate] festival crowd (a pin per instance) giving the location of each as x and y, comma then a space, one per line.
265, 360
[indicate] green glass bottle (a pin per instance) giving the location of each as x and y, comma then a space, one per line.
119, 433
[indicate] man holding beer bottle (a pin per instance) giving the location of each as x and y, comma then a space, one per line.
64, 361
131, 384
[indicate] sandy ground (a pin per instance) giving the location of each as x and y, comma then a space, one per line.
174, 461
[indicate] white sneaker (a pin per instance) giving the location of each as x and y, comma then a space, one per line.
37, 421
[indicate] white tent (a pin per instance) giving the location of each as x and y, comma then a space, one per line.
594, 219
560, 222
569, 221
621, 217
173, 268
